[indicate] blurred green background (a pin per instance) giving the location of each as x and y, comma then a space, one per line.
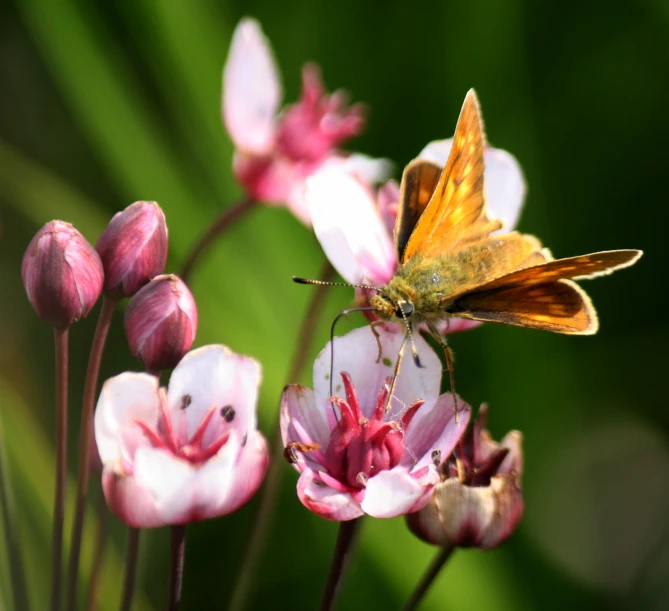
102, 104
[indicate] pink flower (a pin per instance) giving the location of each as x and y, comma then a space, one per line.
355, 225
185, 453
479, 503
277, 152
376, 456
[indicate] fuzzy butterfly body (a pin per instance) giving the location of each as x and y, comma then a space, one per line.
453, 264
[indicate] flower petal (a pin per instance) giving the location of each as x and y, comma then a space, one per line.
465, 516
513, 463
129, 502
369, 170
388, 199
394, 493
124, 400
325, 501
251, 89
348, 226
184, 492
270, 179
435, 428
169, 480
504, 187
504, 184
301, 421
247, 475
214, 376
356, 353
455, 325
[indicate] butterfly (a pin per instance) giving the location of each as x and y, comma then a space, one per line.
452, 263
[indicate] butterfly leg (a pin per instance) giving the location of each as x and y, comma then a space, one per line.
448, 353
373, 326
396, 372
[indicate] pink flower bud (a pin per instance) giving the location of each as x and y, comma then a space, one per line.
160, 322
62, 274
479, 503
133, 248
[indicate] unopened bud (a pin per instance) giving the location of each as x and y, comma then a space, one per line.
133, 248
160, 322
62, 274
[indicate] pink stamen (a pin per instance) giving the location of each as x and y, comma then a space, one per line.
410, 412
154, 438
198, 436
167, 423
351, 395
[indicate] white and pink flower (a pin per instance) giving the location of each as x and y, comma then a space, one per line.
276, 153
362, 451
185, 453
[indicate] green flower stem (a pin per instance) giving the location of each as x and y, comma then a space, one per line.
343, 548
131, 553
61, 340
85, 434
429, 577
272, 485
98, 551
177, 555
226, 219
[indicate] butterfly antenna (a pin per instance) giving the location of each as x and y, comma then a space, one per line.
414, 351
367, 287
341, 314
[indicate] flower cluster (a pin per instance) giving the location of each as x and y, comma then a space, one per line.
277, 152
375, 435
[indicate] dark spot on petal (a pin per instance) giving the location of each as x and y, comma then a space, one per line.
185, 401
387, 362
228, 413
436, 457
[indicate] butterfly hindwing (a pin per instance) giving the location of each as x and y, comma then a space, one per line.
560, 307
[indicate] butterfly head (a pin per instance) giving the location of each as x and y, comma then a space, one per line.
387, 308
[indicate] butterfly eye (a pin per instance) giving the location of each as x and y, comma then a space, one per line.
404, 310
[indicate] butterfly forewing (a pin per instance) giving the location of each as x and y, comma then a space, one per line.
560, 307
419, 181
583, 267
457, 205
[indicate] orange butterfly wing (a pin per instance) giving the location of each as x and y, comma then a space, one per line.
419, 181
456, 210
579, 268
561, 307
541, 297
